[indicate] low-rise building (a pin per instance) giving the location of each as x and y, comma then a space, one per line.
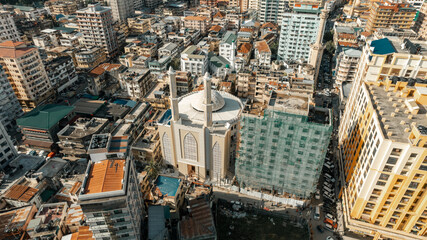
141, 48
75, 137
41, 125
104, 78
227, 46
170, 191
137, 82
14, 222
200, 222
263, 54
146, 147
198, 23
169, 49
159, 66
61, 72
48, 223
347, 62
89, 57
139, 25
194, 60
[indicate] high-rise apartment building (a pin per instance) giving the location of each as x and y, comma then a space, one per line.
121, 9
383, 142
198, 135
8, 29
299, 29
388, 13
10, 109
270, 10
26, 73
96, 24
111, 199
7, 150
421, 24
347, 62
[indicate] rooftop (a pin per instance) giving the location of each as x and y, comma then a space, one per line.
13, 49
44, 117
195, 18
88, 106
105, 176
74, 215
397, 113
52, 167
156, 222
83, 127
104, 67
262, 46
15, 219
21, 193
229, 37
382, 46
200, 224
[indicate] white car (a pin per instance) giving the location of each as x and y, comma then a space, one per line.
329, 238
317, 195
328, 215
329, 226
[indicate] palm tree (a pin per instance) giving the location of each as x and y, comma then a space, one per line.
153, 169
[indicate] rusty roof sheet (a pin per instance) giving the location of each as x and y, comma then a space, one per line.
195, 18
16, 218
219, 14
269, 25
105, 67
246, 30
262, 46
105, 176
200, 223
215, 28
346, 36
21, 192
75, 214
12, 49
244, 48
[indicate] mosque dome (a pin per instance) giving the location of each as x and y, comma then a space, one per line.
218, 101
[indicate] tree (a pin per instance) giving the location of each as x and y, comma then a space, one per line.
329, 36
175, 63
330, 48
153, 169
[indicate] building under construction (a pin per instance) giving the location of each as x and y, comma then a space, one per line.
283, 142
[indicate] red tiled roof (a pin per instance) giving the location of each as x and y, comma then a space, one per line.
103, 68
366, 34
246, 30
347, 44
37, 143
195, 18
219, 14
215, 28
262, 46
244, 48
13, 49
347, 36
269, 25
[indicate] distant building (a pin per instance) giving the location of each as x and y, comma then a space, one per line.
104, 78
198, 23
137, 82
94, 34
420, 25
169, 49
402, 16
89, 57
262, 54
194, 60
121, 9
292, 44
8, 30
139, 25
41, 125
64, 7
227, 46
27, 74
61, 72
270, 10
111, 199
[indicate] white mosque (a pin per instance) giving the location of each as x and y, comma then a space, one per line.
199, 134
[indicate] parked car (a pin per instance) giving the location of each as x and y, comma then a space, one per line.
33, 153
328, 215
320, 228
317, 213
329, 238
317, 195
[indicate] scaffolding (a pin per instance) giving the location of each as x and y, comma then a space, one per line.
281, 151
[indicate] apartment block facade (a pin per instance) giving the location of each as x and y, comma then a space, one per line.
10, 108
347, 62
421, 24
96, 24
387, 14
8, 29
7, 150
299, 30
269, 10
26, 73
200, 23
382, 140
121, 9
194, 60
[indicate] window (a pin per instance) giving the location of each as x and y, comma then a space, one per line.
190, 147
216, 158
167, 148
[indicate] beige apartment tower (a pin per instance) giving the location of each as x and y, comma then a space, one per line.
26, 73
199, 134
383, 142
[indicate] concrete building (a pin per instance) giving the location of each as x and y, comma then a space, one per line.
270, 10
299, 30
121, 9
262, 54
96, 24
137, 82
26, 73
384, 112
201, 217
227, 47
169, 49
7, 150
48, 223
388, 13
198, 135
75, 138
64, 7
10, 108
184, 82
18, 220
139, 25
197, 23
61, 72
347, 62
89, 57
152, 4
41, 125
8, 30
420, 25
194, 60
111, 199
384, 175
